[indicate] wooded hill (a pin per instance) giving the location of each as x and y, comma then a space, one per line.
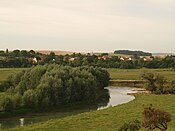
134, 53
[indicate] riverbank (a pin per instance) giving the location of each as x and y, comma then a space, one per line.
118, 95
109, 119
130, 83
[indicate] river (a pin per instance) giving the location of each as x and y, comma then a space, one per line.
118, 95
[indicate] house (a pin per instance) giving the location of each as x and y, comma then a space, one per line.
104, 57
123, 58
129, 58
34, 60
148, 58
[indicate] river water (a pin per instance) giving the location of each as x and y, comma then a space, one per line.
118, 95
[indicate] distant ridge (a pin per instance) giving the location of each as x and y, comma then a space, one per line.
129, 52
55, 51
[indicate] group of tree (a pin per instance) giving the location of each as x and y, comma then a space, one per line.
17, 58
134, 53
153, 118
51, 86
24, 58
158, 84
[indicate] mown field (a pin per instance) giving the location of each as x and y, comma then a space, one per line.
109, 119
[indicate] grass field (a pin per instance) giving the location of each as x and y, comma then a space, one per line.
134, 74
5, 72
110, 119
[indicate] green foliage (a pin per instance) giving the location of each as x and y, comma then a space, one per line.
157, 83
131, 126
7, 103
17, 100
30, 99
51, 86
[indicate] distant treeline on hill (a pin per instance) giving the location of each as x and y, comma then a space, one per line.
134, 53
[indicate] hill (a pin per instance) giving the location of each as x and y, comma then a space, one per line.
128, 52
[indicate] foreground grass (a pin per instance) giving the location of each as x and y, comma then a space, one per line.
134, 74
110, 119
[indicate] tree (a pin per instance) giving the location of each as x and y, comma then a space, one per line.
156, 118
16, 53
24, 53
156, 83
7, 51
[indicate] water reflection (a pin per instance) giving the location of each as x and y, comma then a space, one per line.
118, 95
21, 121
111, 96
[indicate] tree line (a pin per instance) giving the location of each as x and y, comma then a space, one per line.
51, 86
17, 58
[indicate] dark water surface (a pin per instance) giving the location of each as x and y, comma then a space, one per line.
118, 95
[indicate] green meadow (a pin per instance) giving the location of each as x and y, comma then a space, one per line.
109, 119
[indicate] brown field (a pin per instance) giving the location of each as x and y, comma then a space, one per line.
55, 51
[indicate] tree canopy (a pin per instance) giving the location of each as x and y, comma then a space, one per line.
51, 86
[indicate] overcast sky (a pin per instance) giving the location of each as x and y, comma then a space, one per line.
88, 25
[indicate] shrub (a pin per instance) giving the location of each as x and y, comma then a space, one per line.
156, 118
131, 126
155, 83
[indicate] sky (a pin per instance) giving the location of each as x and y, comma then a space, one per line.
88, 25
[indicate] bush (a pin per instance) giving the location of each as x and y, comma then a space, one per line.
131, 126
7, 103
155, 83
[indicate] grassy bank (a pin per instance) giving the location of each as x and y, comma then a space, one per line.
109, 119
